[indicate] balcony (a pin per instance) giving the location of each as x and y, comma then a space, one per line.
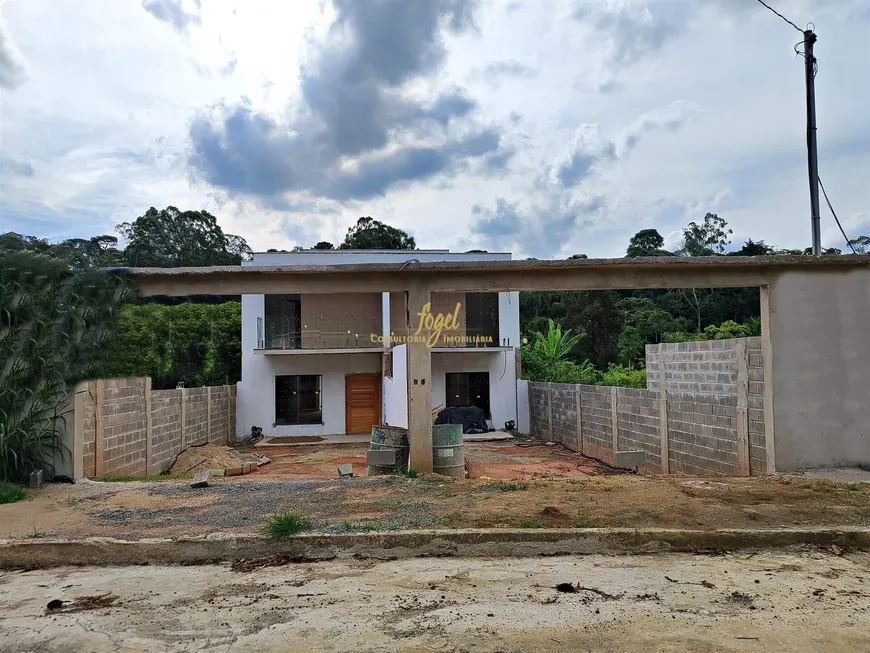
273, 341
321, 323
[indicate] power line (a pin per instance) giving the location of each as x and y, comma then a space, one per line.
848, 242
781, 16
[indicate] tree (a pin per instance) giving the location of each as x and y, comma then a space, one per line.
556, 344
649, 320
14, 242
195, 344
323, 244
707, 239
751, 248
631, 345
646, 242
373, 234
171, 238
576, 256
861, 244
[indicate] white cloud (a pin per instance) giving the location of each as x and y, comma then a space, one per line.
613, 115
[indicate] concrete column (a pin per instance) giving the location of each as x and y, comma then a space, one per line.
578, 397
78, 439
184, 418
614, 414
742, 413
208, 414
549, 412
664, 433
148, 428
419, 375
767, 361
99, 390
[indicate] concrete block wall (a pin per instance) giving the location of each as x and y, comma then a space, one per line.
221, 414
196, 416
702, 433
755, 406
126, 429
706, 432
596, 419
704, 367
638, 425
123, 426
539, 407
88, 427
166, 440
564, 414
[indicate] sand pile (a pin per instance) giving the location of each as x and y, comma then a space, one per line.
204, 457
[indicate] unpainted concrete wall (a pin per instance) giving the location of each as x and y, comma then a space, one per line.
819, 332
125, 429
702, 429
332, 321
710, 367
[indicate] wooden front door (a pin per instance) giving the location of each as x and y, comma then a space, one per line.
362, 402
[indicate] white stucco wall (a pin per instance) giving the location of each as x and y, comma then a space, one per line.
820, 339
396, 390
509, 319
502, 379
256, 392
523, 417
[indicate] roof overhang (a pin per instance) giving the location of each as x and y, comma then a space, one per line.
502, 276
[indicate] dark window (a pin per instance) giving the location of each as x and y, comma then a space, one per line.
468, 389
481, 319
297, 400
283, 322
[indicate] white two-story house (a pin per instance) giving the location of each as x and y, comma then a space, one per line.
330, 364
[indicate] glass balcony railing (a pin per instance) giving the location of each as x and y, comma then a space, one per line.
270, 339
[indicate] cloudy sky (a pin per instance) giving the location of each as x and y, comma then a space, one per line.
543, 127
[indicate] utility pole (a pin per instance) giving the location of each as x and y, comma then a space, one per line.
812, 149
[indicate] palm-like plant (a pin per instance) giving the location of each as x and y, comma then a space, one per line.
56, 329
556, 344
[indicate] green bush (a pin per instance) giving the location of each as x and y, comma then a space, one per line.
531, 522
10, 493
623, 377
725, 331
285, 524
536, 366
195, 344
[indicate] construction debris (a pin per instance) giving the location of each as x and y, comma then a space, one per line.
201, 479
345, 471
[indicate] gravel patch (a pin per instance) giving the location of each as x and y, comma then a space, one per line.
243, 505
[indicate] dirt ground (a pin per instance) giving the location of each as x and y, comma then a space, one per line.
676, 603
496, 460
172, 508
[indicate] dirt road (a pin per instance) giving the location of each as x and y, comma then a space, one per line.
764, 602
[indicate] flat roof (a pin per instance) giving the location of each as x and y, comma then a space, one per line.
413, 267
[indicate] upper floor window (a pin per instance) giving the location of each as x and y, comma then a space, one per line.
481, 318
283, 322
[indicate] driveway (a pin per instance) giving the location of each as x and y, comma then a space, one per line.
677, 603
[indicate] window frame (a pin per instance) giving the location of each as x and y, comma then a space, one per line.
317, 414
487, 409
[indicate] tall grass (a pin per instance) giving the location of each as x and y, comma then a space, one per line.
56, 329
